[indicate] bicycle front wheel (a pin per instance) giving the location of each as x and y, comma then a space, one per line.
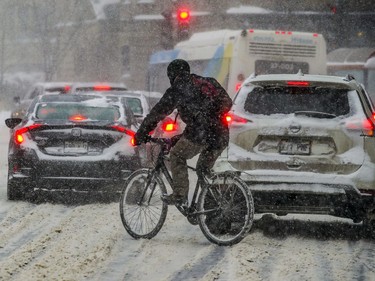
142, 211
226, 210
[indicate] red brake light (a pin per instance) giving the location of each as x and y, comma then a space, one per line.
19, 138
169, 125
77, 117
230, 118
298, 83
238, 86
102, 88
18, 135
126, 131
67, 88
366, 126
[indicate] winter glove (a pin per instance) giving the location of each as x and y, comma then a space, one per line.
139, 139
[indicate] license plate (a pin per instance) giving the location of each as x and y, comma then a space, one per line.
295, 147
75, 146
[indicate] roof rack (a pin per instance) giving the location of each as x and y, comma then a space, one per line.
349, 77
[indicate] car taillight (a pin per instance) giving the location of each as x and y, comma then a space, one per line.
366, 126
230, 118
126, 131
169, 125
298, 83
67, 89
238, 86
77, 117
102, 88
19, 134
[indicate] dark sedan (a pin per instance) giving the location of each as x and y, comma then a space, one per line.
75, 143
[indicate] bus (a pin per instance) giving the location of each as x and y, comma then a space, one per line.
358, 62
231, 56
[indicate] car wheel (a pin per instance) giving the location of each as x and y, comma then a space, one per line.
17, 190
369, 225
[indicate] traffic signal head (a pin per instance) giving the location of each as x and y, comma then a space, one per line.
183, 23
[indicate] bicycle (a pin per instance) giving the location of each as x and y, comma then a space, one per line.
222, 205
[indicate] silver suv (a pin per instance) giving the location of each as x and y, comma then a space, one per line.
306, 144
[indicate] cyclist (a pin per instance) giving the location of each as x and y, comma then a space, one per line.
202, 104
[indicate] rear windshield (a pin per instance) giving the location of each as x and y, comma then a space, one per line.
288, 100
77, 112
135, 105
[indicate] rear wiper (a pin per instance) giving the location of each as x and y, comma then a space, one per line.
316, 114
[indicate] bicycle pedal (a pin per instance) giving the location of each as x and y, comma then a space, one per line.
192, 219
184, 205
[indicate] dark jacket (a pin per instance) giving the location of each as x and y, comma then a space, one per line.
202, 104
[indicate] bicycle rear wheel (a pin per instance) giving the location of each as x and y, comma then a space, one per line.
142, 211
226, 210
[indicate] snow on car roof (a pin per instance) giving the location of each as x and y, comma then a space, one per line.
296, 77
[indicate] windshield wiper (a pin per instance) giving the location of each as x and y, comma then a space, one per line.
316, 114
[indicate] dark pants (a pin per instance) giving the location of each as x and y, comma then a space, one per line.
180, 153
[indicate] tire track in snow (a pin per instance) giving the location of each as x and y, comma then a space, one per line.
36, 228
185, 245
362, 260
201, 266
326, 270
17, 211
288, 254
67, 251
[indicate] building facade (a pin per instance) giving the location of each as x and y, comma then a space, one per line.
112, 40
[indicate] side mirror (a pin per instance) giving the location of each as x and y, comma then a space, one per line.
12, 122
17, 100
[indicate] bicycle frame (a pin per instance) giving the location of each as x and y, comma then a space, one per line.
161, 168
221, 205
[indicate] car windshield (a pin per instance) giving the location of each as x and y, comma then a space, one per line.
76, 112
287, 100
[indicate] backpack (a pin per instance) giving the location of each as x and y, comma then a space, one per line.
205, 86
219, 100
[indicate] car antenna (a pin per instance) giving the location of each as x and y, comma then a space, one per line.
300, 73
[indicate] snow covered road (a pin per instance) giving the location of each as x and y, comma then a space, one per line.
51, 241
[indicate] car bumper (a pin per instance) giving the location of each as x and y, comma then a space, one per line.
90, 176
284, 192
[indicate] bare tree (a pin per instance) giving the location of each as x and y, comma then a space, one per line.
55, 24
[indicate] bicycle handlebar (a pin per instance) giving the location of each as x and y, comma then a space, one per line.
161, 141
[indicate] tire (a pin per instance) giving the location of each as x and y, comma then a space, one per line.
16, 190
369, 228
227, 210
143, 219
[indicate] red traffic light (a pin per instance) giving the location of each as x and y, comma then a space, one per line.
183, 15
